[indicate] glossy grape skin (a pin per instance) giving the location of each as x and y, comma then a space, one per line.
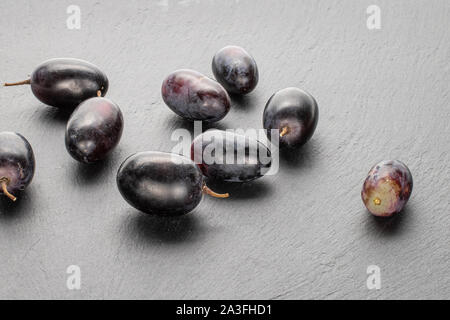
194, 96
235, 70
17, 162
295, 110
160, 183
93, 130
225, 167
65, 82
387, 188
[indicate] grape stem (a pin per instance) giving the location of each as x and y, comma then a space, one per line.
17, 83
284, 131
208, 191
5, 181
99, 93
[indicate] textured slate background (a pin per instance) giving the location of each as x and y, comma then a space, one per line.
303, 233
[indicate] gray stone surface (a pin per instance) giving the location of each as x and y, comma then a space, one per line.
303, 233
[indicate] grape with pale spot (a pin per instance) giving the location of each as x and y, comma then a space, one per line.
387, 188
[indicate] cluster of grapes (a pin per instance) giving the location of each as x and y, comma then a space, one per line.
169, 184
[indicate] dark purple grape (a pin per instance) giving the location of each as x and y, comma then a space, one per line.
94, 129
16, 163
235, 69
294, 113
194, 96
387, 188
226, 156
65, 82
162, 183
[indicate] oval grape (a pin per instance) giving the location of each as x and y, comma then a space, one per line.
162, 183
66, 82
235, 70
194, 96
294, 113
94, 129
17, 163
227, 156
387, 188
